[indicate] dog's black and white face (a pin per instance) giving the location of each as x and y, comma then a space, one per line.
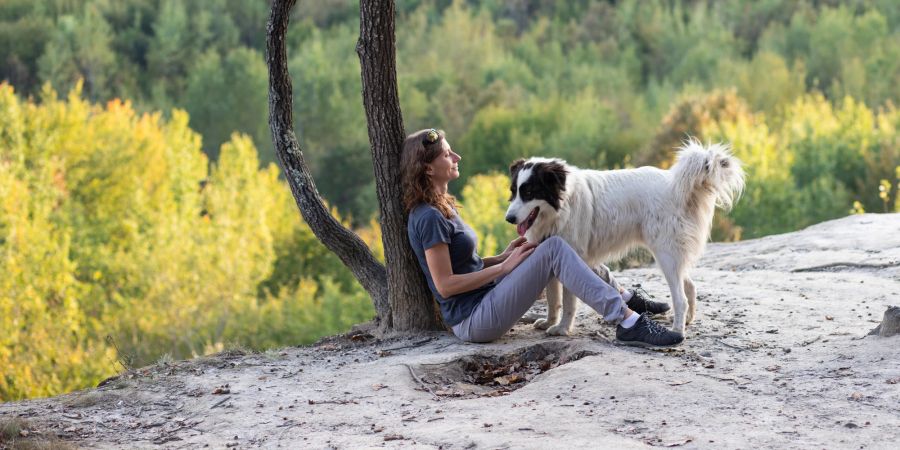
537, 191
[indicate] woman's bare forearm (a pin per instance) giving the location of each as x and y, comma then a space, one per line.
458, 284
493, 260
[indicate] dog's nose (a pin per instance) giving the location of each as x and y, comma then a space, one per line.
511, 219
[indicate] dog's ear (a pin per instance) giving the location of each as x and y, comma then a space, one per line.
515, 167
553, 175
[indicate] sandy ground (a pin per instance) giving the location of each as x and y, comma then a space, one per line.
778, 358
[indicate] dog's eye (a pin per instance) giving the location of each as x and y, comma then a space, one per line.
724, 163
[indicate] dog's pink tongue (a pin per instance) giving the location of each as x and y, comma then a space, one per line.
520, 228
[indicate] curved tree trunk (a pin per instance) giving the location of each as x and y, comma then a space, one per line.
344, 243
412, 305
401, 297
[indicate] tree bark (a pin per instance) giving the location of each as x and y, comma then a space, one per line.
351, 250
401, 297
411, 301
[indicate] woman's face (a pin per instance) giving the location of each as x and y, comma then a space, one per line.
445, 167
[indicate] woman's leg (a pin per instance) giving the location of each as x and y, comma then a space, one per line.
511, 298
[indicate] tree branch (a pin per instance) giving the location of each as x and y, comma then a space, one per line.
351, 250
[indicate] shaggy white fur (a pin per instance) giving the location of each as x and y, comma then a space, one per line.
603, 214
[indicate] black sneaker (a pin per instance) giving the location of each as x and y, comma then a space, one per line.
640, 302
647, 333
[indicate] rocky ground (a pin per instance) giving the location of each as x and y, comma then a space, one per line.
779, 357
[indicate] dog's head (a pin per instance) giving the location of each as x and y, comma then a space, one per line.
724, 175
537, 191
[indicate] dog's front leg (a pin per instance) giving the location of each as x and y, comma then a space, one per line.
569, 307
554, 300
691, 291
671, 268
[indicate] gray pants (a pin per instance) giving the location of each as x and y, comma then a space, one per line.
510, 299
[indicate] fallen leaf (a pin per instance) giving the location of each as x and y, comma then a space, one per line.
393, 437
361, 337
856, 396
378, 386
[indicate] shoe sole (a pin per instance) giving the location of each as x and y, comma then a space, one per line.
646, 345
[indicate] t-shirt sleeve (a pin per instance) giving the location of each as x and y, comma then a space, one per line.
433, 229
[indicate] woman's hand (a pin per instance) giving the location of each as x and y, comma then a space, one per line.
512, 246
517, 255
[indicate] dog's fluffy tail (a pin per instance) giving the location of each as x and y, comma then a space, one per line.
704, 171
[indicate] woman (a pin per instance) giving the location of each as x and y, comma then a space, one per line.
481, 299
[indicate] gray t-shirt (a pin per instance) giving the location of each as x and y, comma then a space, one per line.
428, 227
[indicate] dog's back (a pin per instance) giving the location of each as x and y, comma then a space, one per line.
609, 212
604, 212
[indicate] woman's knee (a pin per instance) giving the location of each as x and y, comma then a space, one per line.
555, 244
554, 241
484, 336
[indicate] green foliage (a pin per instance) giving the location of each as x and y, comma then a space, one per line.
228, 94
690, 116
811, 165
79, 48
484, 199
113, 228
586, 80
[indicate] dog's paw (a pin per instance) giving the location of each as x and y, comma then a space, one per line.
542, 324
558, 330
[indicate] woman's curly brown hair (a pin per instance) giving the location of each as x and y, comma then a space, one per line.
419, 149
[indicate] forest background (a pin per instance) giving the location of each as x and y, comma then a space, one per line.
142, 217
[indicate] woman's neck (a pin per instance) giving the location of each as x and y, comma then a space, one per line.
440, 188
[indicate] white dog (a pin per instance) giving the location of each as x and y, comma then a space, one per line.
602, 214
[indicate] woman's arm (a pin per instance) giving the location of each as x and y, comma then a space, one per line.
449, 284
494, 260
446, 282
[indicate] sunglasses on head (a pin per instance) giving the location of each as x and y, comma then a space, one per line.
431, 136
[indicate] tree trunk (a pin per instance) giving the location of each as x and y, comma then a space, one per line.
351, 250
412, 305
401, 297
